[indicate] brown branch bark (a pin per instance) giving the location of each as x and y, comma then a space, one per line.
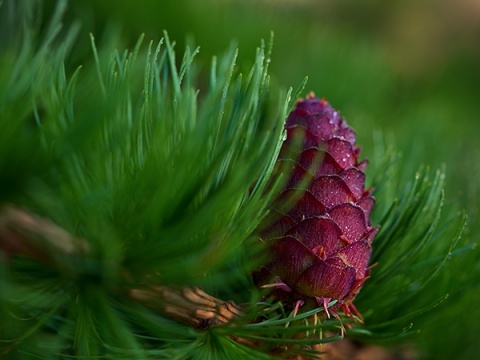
191, 306
30, 235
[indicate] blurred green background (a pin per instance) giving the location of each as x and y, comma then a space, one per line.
407, 68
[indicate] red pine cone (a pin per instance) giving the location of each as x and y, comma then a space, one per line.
320, 247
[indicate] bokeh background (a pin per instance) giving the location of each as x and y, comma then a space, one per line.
409, 69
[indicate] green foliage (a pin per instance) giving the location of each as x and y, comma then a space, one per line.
413, 245
165, 169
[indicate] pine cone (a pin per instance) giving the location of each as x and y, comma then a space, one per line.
320, 247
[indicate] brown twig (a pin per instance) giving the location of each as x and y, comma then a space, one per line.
30, 235
191, 306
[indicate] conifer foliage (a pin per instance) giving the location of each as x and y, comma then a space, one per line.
134, 190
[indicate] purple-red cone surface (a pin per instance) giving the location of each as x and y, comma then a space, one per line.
320, 247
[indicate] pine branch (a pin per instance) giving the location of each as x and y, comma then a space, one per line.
25, 234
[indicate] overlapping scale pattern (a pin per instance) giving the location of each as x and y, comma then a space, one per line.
320, 248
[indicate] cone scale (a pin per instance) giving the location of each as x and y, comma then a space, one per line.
320, 247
